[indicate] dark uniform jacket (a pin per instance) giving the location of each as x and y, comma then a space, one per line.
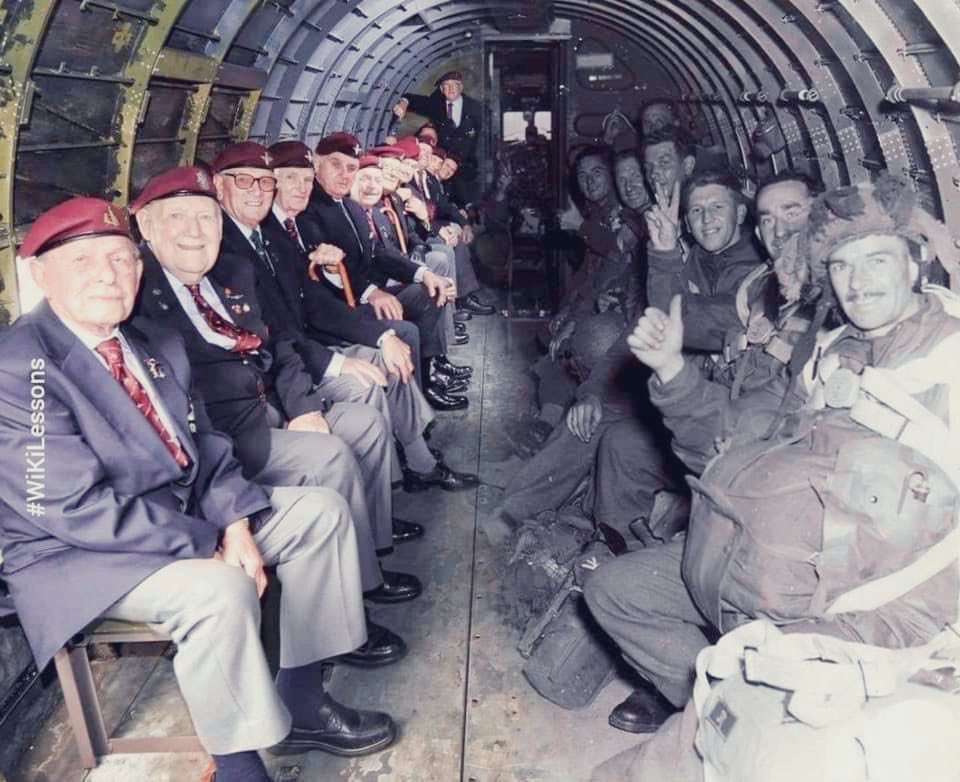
237, 387
462, 140
708, 284
368, 262
116, 506
782, 526
322, 313
277, 288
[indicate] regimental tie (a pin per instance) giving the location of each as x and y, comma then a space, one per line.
291, 226
112, 352
244, 341
257, 241
449, 111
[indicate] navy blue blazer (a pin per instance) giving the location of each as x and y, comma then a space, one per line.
323, 315
116, 506
277, 289
462, 139
368, 262
236, 387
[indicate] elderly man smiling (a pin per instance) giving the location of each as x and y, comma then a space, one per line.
146, 515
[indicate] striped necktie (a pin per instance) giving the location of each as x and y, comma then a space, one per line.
112, 352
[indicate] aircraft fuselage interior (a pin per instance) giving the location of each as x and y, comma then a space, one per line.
479, 390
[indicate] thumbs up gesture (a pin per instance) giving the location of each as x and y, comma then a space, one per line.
657, 340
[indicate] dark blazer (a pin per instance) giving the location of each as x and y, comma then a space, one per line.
462, 140
277, 290
323, 315
116, 505
236, 387
443, 211
368, 262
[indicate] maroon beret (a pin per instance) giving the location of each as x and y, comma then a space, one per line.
291, 154
184, 180
76, 218
410, 146
345, 143
449, 76
387, 150
369, 161
246, 154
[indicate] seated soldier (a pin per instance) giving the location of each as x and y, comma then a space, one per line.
805, 493
391, 388
621, 478
368, 191
144, 515
720, 257
254, 383
448, 222
333, 218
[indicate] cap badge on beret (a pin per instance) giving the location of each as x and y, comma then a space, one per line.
76, 218
110, 218
267, 159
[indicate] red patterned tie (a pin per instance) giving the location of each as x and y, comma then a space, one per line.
374, 231
292, 231
244, 341
112, 352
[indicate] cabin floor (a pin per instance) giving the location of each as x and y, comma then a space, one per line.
464, 710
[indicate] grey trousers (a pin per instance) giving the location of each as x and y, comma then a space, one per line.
401, 404
440, 260
640, 600
211, 611
629, 469
337, 462
667, 756
548, 479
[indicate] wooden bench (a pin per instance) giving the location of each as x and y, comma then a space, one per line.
83, 705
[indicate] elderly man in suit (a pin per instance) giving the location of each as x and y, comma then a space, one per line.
256, 388
139, 511
369, 266
458, 119
376, 379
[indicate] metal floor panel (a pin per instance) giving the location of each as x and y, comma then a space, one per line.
464, 710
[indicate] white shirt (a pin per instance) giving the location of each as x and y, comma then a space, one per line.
282, 216
246, 230
133, 365
189, 306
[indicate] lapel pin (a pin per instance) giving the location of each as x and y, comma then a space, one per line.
155, 369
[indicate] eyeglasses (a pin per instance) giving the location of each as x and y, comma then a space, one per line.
267, 184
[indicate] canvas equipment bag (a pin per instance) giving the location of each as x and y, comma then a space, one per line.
796, 707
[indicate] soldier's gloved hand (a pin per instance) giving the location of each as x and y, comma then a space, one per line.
584, 417
657, 340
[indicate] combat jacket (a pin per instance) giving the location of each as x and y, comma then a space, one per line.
783, 527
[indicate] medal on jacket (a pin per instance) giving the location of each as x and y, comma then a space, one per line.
191, 419
155, 369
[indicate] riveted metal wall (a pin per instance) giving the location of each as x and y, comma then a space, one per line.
100, 94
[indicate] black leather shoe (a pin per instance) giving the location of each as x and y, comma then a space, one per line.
461, 339
440, 476
442, 365
406, 530
446, 384
459, 328
462, 316
440, 400
382, 647
340, 730
396, 588
474, 306
644, 711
